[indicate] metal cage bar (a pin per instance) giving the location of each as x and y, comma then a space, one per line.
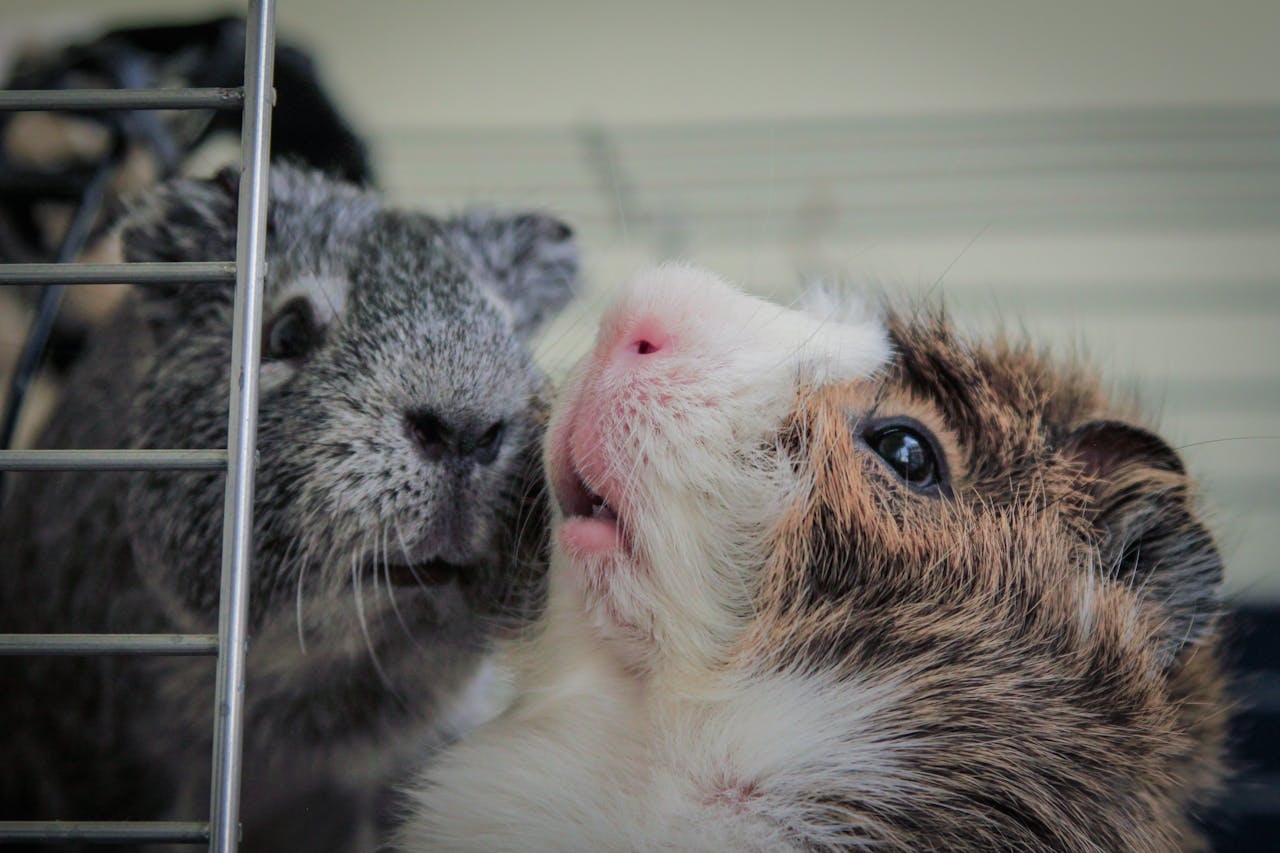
112, 460
186, 272
108, 644
105, 831
256, 97
15, 100
242, 429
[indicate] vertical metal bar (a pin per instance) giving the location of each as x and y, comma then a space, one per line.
224, 824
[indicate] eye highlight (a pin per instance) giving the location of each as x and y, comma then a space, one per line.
910, 452
292, 334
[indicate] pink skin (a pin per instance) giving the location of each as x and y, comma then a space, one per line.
584, 465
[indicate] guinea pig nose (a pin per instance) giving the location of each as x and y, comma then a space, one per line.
438, 439
647, 337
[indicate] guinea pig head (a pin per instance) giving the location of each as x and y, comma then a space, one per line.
400, 410
874, 507
666, 454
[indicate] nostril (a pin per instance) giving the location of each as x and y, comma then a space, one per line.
647, 336
489, 443
431, 434
440, 440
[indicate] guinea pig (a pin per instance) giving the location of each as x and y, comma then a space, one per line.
841, 579
396, 516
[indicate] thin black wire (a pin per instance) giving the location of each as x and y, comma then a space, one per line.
33, 349
129, 70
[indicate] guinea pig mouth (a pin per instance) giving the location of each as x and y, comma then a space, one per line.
578, 501
427, 573
591, 527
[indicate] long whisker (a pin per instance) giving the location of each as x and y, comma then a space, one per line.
391, 590
357, 568
298, 586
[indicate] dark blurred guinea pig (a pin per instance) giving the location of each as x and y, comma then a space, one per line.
397, 517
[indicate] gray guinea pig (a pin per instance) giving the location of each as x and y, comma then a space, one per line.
400, 418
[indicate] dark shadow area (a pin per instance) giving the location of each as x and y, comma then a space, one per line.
1248, 818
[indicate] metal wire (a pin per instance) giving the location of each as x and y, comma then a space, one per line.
237, 525
189, 272
44, 645
112, 460
104, 832
120, 99
222, 832
73, 243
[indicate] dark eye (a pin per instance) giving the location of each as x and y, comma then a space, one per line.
292, 333
911, 452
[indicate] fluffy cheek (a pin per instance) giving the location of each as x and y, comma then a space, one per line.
618, 599
681, 587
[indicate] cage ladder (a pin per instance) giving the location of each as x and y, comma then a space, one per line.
255, 98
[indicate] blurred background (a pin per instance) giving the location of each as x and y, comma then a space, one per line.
1104, 175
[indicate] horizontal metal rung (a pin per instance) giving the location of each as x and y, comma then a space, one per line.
105, 832
122, 99
144, 273
112, 460
108, 644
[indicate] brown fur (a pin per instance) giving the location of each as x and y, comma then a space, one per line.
1052, 619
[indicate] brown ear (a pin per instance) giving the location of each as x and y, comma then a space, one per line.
1150, 538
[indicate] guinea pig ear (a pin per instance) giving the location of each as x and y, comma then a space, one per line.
1150, 537
530, 261
182, 220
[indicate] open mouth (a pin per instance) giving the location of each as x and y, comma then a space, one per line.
428, 573
591, 524
578, 501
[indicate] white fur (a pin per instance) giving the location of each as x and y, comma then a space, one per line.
693, 444
592, 758
627, 732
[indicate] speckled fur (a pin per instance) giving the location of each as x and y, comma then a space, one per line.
789, 649
349, 676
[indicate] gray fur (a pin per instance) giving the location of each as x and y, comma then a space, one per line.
349, 676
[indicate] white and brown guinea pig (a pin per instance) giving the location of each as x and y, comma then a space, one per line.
839, 580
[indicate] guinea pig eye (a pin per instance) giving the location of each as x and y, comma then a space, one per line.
292, 333
909, 450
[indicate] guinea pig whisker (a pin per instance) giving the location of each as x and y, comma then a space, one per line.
1228, 438
404, 551
549, 344
799, 347
391, 589
634, 451
285, 566
937, 282
357, 569
375, 574
525, 515
321, 286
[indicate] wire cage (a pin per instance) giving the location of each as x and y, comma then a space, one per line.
255, 98
1140, 225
